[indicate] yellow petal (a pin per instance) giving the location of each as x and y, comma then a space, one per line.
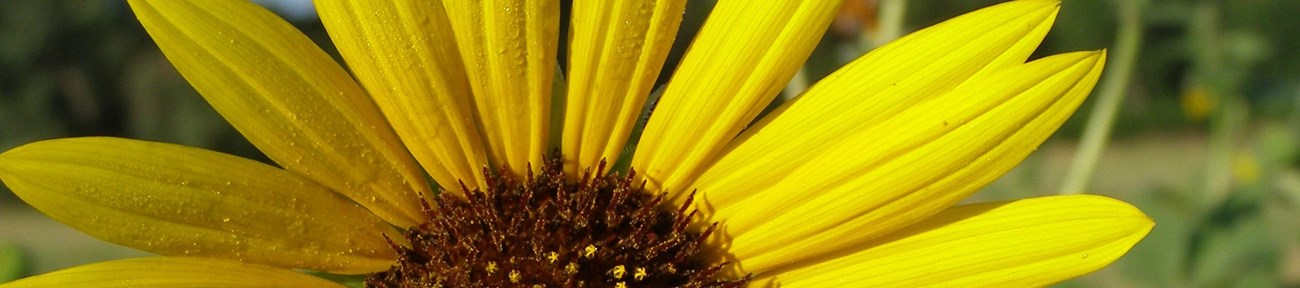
167, 272
617, 50
404, 54
873, 88
743, 56
289, 99
919, 162
176, 200
1025, 243
509, 49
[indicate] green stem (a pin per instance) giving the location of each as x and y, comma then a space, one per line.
1230, 113
892, 13
1102, 119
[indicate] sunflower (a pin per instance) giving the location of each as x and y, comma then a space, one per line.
853, 183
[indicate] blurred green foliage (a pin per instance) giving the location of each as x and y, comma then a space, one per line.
12, 260
1205, 141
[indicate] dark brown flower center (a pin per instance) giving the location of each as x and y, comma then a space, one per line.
544, 231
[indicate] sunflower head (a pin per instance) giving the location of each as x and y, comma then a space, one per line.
602, 230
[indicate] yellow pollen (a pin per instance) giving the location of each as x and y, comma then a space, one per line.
571, 269
618, 271
620, 284
491, 267
589, 251
639, 274
515, 277
552, 256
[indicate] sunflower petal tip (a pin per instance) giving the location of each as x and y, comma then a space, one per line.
1051, 8
1142, 223
8, 156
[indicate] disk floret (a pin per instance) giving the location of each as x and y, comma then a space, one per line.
544, 231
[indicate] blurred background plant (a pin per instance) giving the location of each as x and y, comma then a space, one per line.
1195, 121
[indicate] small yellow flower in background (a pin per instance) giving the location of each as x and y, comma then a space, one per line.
1245, 168
852, 184
1197, 103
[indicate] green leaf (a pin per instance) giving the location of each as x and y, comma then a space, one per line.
12, 262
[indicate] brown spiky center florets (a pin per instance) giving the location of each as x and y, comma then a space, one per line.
544, 231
